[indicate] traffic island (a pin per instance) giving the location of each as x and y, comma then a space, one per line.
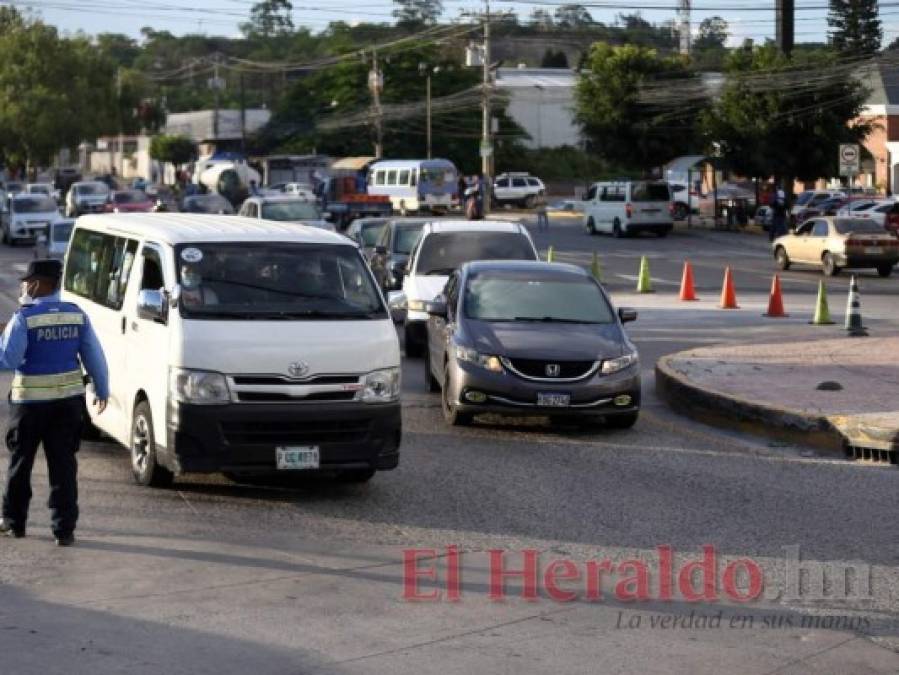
836, 396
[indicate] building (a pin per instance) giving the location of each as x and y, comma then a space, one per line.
881, 170
541, 101
217, 129
125, 156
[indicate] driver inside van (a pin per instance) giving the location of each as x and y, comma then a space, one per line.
193, 292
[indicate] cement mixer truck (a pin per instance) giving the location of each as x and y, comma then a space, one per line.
227, 174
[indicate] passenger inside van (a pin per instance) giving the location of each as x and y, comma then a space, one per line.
194, 293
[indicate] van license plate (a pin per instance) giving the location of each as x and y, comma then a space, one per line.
553, 400
297, 458
873, 250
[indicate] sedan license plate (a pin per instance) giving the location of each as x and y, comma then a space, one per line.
873, 250
297, 458
553, 400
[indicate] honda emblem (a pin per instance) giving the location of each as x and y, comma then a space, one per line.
553, 369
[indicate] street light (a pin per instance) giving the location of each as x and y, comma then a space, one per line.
426, 70
540, 88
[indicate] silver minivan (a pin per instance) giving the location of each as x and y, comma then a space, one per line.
626, 207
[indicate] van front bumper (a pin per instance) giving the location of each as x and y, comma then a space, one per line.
242, 438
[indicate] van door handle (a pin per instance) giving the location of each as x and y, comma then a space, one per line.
124, 323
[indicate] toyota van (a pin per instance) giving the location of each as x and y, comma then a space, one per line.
238, 345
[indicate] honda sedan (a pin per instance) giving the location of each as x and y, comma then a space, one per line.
530, 338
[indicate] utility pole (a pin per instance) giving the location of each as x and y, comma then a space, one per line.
215, 112
118, 86
683, 30
375, 84
243, 117
785, 23
428, 95
486, 140
426, 70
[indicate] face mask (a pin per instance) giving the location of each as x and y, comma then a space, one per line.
189, 279
26, 297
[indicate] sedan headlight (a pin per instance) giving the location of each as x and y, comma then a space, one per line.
485, 361
199, 387
381, 386
610, 366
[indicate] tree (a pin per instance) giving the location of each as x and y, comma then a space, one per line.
572, 16
763, 128
855, 26
268, 19
618, 126
553, 59
541, 19
417, 12
173, 149
712, 33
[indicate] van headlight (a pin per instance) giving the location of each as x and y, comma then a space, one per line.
199, 387
381, 386
485, 361
610, 366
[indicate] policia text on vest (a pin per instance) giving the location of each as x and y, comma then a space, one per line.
48, 344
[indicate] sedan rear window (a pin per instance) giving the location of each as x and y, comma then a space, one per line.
443, 252
35, 204
499, 296
405, 238
844, 226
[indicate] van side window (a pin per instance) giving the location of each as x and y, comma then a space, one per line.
99, 266
591, 194
379, 177
404, 177
152, 278
391, 177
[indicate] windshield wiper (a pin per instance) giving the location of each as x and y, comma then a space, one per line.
551, 319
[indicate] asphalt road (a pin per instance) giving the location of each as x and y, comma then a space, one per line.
221, 578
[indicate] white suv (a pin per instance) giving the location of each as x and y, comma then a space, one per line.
442, 248
626, 207
520, 189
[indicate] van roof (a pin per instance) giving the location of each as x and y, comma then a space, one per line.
184, 228
472, 226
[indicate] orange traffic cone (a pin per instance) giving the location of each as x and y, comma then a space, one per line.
687, 291
728, 295
775, 300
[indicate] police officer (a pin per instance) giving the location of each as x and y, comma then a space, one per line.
46, 343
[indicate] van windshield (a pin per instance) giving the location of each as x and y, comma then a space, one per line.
650, 192
443, 252
276, 281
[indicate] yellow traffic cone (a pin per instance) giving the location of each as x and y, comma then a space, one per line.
551, 255
644, 283
595, 269
822, 311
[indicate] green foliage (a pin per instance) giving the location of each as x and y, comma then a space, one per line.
554, 59
567, 164
173, 149
572, 16
713, 33
269, 18
789, 132
855, 26
619, 128
417, 12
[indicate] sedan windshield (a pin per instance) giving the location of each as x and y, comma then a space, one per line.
858, 227
443, 252
371, 232
275, 281
98, 189
406, 237
522, 296
35, 204
290, 210
62, 232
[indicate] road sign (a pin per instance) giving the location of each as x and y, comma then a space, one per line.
849, 159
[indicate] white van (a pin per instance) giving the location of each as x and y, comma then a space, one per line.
628, 207
238, 346
415, 185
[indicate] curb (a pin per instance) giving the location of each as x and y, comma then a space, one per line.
736, 414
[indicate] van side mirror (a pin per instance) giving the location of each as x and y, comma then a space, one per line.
436, 307
626, 314
151, 305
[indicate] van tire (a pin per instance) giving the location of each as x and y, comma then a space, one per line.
616, 229
145, 467
591, 226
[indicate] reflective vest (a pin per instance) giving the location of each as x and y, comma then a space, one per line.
51, 368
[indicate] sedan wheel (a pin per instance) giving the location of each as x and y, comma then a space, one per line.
782, 259
830, 265
885, 270
450, 408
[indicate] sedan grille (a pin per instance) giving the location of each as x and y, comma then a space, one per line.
538, 369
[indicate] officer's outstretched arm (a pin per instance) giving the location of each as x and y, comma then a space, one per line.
13, 343
94, 361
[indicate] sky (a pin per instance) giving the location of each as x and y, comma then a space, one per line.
747, 19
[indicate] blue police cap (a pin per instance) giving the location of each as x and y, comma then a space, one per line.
48, 269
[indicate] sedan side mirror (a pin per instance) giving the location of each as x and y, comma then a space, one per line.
436, 308
151, 305
626, 314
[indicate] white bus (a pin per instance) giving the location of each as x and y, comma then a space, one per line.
415, 185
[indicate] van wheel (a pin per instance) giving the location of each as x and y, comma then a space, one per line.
145, 467
829, 265
782, 259
591, 226
680, 211
616, 229
431, 383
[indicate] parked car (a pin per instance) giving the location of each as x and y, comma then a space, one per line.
45, 189
86, 197
856, 206
29, 216
834, 243
810, 199
129, 201
442, 248
299, 190
319, 389
520, 189
208, 203
53, 242
530, 338
885, 213
13, 188
628, 207
366, 232
392, 250
285, 209
829, 207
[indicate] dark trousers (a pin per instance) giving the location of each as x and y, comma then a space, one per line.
57, 425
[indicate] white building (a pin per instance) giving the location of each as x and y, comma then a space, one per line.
211, 128
541, 101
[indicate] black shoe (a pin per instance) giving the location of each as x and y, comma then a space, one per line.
65, 539
7, 530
